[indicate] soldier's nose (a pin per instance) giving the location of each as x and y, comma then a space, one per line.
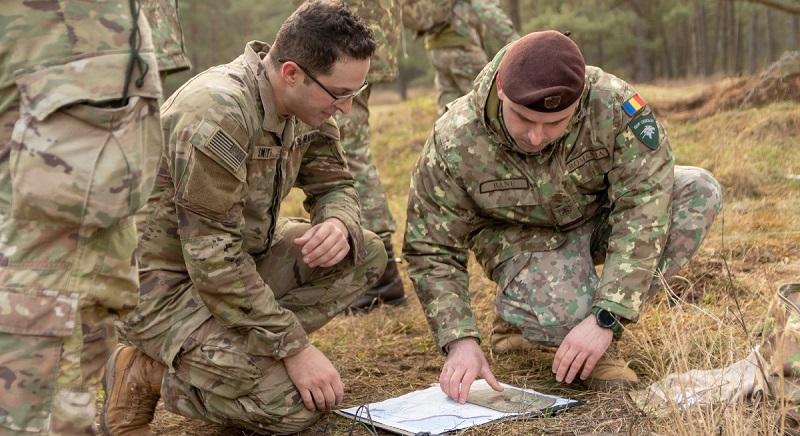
535, 134
344, 105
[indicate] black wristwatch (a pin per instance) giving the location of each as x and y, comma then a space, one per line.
607, 320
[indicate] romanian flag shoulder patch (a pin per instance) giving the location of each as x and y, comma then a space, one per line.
633, 105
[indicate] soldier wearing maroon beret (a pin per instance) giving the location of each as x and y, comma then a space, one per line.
545, 169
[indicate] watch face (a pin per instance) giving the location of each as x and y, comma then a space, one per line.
605, 318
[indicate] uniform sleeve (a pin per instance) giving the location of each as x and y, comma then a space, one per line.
494, 26
328, 185
640, 194
210, 196
440, 219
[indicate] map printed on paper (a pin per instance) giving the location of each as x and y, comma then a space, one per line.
431, 411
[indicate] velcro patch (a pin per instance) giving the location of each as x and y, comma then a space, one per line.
633, 105
503, 185
266, 153
225, 147
587, 156
645, 129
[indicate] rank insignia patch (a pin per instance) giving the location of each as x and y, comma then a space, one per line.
646, 129
633, 105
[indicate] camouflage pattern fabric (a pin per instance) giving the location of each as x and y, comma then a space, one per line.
76, 162
228, 162
474, 189
354, 130
780, 346
545, 294
218, 380
167, 35
455, 68
478, 29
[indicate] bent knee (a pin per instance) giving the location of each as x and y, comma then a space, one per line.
281, 414
700, 187
376, 256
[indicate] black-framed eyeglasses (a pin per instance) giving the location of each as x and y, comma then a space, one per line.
336, 98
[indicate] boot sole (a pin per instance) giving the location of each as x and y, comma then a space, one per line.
108, 380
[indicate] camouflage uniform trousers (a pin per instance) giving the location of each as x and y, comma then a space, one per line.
354, 131
216, 380
546, 294
455, 69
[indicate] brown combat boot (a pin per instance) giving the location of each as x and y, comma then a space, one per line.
508, 339
611, 374
133, 387
388, 289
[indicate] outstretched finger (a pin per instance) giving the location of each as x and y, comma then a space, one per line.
489, 377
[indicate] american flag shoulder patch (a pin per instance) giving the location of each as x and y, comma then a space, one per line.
225, 147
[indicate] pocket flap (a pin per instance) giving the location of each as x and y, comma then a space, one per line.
93, 80
42, 314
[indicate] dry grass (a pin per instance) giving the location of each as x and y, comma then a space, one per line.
390, 351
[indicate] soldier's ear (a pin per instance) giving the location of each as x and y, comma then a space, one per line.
290, 73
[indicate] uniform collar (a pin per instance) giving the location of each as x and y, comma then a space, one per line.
254, 53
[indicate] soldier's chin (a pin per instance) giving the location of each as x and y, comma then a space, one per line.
314, 120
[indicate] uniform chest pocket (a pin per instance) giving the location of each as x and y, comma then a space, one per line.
262, 168
588, 170
80, 153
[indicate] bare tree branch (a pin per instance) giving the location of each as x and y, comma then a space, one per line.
788, 6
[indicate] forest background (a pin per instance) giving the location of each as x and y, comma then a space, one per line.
640, 40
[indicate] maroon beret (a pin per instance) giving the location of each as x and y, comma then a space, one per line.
543, 71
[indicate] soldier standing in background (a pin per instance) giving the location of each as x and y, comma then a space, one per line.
546, 168
460, 40
382, 16
79, 144
229, 290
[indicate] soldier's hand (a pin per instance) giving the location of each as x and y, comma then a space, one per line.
324, 244
315, 377
465, 362
584, 345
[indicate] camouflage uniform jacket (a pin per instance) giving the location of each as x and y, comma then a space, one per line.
475, 23
167, 35
473, 189
229, 161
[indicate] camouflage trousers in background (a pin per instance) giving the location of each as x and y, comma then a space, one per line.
354, 131
455, 69
546, 294
55, 344
215, 379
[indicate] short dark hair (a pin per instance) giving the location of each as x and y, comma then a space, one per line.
319, 33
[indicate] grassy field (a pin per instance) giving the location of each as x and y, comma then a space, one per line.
753, 247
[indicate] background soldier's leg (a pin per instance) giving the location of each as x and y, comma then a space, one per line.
547, 293
455, 69
375, 214
354, 131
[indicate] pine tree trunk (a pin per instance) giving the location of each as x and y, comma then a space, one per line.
755, 35
701, 55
